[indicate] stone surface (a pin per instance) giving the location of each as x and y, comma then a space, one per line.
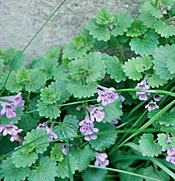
20, 19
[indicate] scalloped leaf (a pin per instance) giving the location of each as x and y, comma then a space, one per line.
79, 90
148, 146
48, 110
167, 119
148, 7
83, 157
62, 168
68, 128
114, 68
11, 173
49, 95
12, 84
145, 45
38, 80
79, 46
122, 22
53, 53
46, 171
61, 73
94, 174
23, 76
60, 86
56, 153
130, 69
36, 140
113, 111
137, 28
19, 113
163, 61
98, 31
24, 160
13, 58
90, 68
105, 140
162, 140
155, 81
104, 17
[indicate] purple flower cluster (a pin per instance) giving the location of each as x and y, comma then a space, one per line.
143, 96
87, 128
170, 155
49, 131
107, 95
12, 130
153, 103
9, 105
101, 159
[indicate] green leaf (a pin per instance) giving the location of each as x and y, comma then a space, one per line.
89, 68
13, 58
148, 146
105, 139
53, 54
144, 45
114, 68
155, 81
24, 160
145, 63
49, 95
130, 69
80, 90
36, 140
48, 110
137, 28
62, 168
27, 122
94, 174
163, 141
148, 7
154, 173
12, 84
11, 173
167, 119
38, 80
61, 73
79, 46
56, 153
99, 32
23, 76
122, 22
19, 113
60, 86
104, 17
112, 111
68, 128
83, 157
46, 171
165, 69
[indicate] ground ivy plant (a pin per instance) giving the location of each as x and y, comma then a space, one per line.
101, 108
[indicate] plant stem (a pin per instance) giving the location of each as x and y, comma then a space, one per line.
122, 55
78, 102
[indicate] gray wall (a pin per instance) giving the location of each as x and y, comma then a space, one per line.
20, 19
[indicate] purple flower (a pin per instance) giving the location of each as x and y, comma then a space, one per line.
151, 106
16, 100
96, 113
157, 97
10, 129
142, 95
171, 155
8, 110
101, 159
87, 128
106, 95
63, 150
49, 131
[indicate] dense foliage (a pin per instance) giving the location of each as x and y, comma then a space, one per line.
100, 109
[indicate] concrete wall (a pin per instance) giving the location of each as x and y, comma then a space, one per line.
20, 19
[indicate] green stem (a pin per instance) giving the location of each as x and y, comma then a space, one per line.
142, 128
125, 172
78, 102
31, 40
122, 55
